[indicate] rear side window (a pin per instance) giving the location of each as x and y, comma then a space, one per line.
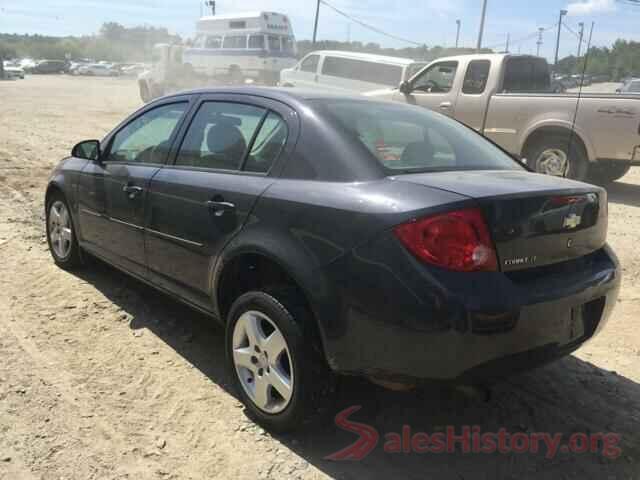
221, 135
288, 44
310, 64
256, 41
268, 144
526, 75
213, 42
274, 43
475, 80
235, 41
363, 71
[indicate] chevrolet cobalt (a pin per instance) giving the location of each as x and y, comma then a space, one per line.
339, 235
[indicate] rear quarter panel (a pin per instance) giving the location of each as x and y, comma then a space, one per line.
607, 124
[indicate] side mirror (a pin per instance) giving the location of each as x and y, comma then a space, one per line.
88, 150
405, 87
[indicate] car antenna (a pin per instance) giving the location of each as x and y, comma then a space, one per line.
575, 112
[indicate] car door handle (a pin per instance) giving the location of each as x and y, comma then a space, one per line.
132, 191
445, 105
219, 208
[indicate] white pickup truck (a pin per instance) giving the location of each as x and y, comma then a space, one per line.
505, 97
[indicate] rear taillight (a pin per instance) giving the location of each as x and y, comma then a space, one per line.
457, 240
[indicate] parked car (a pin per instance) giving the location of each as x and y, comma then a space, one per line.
27, 64
631, 86
601, 78
503, 97
578, 79
13, 71
133, 70
339, 234
567, 81
50, 66
98, 70
349, 72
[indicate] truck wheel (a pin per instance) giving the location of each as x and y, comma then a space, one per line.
605, 172
275, 362
552, 155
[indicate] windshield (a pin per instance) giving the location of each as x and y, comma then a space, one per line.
406, 139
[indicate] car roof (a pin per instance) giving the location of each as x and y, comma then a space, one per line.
371, 57
282, 94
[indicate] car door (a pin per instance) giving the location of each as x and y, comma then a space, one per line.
306, 74
435, 88
113, 191
197, 204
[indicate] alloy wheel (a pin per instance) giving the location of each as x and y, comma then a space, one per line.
262, 361
60, 231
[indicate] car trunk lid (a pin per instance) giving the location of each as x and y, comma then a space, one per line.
534, 219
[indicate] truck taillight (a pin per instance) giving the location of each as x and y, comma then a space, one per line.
457, 240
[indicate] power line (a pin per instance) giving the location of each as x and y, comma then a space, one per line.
520, 40
368, 26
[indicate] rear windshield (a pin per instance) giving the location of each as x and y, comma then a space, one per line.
407, 139
526, 75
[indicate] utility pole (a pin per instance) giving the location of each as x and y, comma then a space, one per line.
482, 17
315, 25
212, 4
539, 42
581, 25
457, 32
507, 48
562, 14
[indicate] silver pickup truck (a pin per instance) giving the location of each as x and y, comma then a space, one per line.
505, 97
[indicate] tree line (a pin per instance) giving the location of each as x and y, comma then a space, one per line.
118, 43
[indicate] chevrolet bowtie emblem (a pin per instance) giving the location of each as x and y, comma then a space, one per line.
571, 221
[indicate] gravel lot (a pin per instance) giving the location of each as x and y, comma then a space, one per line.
103, 378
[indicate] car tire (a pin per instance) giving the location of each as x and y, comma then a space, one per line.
549, 153
299, 362
604, 173
61, 234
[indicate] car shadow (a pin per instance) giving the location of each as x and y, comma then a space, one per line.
570, 396
625, 193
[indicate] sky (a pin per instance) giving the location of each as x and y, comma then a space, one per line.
430, 22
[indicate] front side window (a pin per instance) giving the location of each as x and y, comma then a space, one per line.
146, 139
274, 43
475, 80
413, 69
310, 64
437, 78
214, 41
219, 135
256, 41
235, 41
412, 139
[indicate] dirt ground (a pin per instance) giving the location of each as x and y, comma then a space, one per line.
103, 378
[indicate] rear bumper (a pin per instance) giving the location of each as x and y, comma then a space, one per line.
403, 321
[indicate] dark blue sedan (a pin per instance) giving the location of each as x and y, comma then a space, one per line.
339, 235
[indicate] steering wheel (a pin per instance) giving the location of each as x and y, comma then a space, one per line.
431, 86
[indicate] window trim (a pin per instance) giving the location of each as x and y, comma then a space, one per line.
484, 89
429, 67
315, 71
240, 170
114, 133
